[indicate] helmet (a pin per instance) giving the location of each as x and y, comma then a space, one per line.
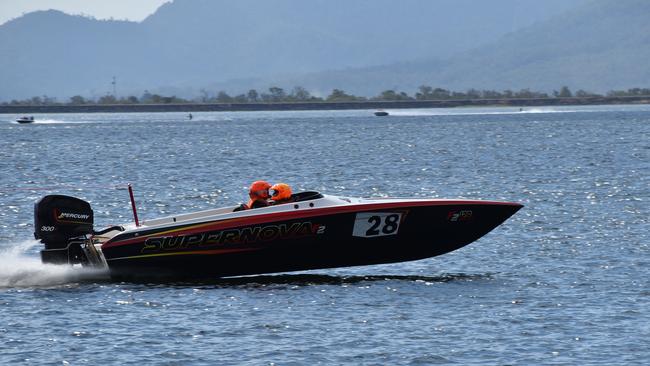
259, 189
280, 191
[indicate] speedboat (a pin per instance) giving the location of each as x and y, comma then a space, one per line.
25, 119
381, 113
313, 231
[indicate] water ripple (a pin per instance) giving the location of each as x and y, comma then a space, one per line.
565, 281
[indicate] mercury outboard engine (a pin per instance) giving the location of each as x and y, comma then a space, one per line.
61, 223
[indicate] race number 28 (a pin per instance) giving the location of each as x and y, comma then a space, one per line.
370, 224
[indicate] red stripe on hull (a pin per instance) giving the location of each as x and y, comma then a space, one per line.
288, 215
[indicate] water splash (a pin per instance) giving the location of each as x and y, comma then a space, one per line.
19, 269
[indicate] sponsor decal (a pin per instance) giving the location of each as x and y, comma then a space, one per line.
71, 217
459, 215
232, 237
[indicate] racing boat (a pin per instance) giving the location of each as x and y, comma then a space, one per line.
313, 231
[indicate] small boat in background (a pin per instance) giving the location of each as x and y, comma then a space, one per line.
381, 113
25, 119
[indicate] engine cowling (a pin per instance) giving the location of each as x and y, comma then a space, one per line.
57, 219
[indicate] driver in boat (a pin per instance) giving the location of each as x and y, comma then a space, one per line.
259, 195
280, 193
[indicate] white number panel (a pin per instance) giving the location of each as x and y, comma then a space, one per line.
371, 224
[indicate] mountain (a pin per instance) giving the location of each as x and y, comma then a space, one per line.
56, 54
187, 45
600, 46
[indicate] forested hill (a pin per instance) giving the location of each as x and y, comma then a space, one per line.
191, 44
600, 46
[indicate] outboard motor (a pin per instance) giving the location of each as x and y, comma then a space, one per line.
61, 223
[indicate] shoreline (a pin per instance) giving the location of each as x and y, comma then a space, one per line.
306, 106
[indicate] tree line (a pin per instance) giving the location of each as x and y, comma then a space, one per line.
299, 94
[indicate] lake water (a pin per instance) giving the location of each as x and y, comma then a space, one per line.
564, 281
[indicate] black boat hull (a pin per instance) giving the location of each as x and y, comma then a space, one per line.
294, 241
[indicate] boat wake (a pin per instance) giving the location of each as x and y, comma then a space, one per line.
41, 122
48, 121
20, 270
474, 112
306, 279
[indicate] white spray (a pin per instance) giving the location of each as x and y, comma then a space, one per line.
20, 269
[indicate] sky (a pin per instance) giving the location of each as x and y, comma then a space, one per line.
135, 10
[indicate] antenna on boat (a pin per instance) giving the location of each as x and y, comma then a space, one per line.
135, 212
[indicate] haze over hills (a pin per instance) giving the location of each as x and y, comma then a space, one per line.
236, 45
598, 47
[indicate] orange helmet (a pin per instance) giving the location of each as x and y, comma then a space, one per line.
259, 189
280, 191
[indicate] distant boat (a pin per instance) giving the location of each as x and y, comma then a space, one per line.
381, 113
25, 119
